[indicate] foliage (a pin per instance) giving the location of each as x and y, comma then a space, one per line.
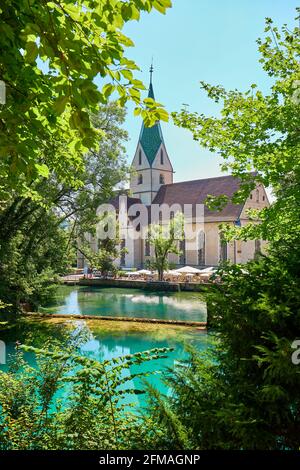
103, 257
245, 395
39, 241
92, 415
29, 268
54, 51
260, 133
164, 239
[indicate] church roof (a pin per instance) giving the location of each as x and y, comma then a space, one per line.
196, 192
151, 138
130, 201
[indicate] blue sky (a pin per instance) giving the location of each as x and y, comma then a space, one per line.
210, 40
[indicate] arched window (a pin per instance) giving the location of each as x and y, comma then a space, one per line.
140, 157
257, 195
201, 248
161, 179
140, 179
161, 157
123, 252
223, 249
182, 258
147, 248
257, 247
160, 217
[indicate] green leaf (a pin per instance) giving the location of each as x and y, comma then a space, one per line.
60, 104
108, 89
127, 74
42, 170
31, 51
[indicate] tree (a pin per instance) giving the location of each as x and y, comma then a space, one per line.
244, 394
104, 256
92, 415
54, 51
260, 133
51, 143
31, 262
164, 239
37, 238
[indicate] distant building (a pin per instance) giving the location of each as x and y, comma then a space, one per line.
152, 184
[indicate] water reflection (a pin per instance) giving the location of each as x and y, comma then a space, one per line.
124, 303
116, 343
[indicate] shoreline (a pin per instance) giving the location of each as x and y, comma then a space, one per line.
157, 286
199, 325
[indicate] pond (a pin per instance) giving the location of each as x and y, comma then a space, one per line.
120, 302
111, 339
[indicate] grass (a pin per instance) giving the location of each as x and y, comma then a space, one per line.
103, 327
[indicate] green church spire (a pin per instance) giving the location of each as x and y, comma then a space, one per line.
151, 138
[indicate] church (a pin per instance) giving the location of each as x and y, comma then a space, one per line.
151, 185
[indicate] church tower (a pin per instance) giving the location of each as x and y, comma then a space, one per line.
151, 164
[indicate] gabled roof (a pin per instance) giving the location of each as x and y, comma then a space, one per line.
196, 192
130, 201
151, 138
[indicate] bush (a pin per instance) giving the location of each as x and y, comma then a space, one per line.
90, 413
244, 394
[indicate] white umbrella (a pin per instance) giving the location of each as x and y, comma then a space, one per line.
207, 270
188, 270
173, 272
141, 272
145, 272
189, 275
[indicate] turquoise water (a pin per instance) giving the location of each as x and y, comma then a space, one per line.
120, 302
104, 343
106, 340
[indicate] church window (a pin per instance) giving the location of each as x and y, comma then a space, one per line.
182, 257
172, 215
161, 157
201, 248
122, 247
263, 198
257, 195
147, 248
251, 196
257, 247
160, 217
223, 249
140, 157
161, 179
140, 179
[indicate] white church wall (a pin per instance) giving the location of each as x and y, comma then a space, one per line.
166, 165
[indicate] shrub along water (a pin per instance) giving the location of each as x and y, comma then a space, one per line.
90, 413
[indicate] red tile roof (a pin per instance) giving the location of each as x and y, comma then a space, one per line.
130, 201
196, 192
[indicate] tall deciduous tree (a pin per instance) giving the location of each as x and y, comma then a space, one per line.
260, 132
164, 239
37, 238
51, 54
245, 395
